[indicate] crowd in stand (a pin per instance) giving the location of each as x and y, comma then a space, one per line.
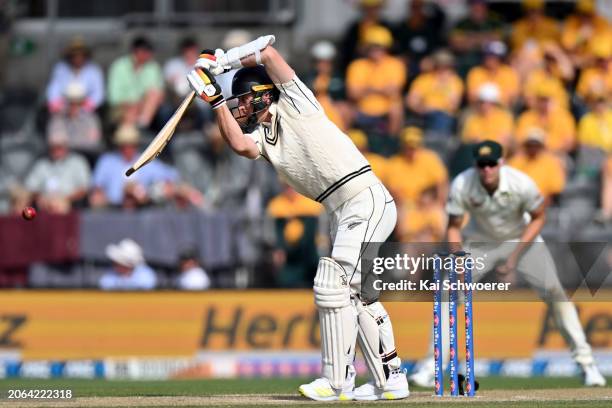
413, 97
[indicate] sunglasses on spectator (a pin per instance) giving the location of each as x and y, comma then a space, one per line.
486, 163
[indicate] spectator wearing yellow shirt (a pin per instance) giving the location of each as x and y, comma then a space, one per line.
437, 94
556, 69
534, 27
488, 121
416, 169
379, 163
295, 220
494, 70
595, 128
557, 123
375, 83
544, 167
598, 77
581, 31
424, 221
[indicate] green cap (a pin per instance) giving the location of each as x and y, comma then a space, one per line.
488, 150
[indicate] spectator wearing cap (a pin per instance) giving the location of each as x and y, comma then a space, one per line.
129, 270
155, 181
544, 167
598, 76
380, 164
191, 274
582, 30
80, 125
420, 33
135, 85
494, 70
416, 169
375, 83
595, 127
59, 181
556, 69
472, 33
436, 95
557, 123
328, 85
352, 41
76, 66
535, 27
488, 120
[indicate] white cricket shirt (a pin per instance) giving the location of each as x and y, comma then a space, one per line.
501, 216
309, 152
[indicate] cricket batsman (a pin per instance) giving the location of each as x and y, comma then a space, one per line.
278, 119
509, 212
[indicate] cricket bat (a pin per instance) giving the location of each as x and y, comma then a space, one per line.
162, 138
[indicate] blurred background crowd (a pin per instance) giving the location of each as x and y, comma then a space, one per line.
413, 93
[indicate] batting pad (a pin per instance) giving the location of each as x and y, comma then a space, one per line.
337, 318
376, 341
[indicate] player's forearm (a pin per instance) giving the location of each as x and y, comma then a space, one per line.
231, 132
454, 239
531, 231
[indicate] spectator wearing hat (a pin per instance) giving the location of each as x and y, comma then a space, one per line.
535, 27
135, 85
420, 33
61, 180
598, 76
554, 68
557, 123
416, 169
375, 83
233, 38
582, 30
472, 33
544, 167
488, 120
328, 85
436, 95
76, 66
595, 127
191, 274
352, 42
129, 270
80, 125
155, 181
494, 70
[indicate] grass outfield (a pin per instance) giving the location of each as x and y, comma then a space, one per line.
494, 391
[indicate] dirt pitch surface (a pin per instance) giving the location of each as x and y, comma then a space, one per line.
493, 397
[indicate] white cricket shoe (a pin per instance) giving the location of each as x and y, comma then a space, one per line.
424, 377
321, 390
592, 377
396, 388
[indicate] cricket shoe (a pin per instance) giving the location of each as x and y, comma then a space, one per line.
321, 390
592, 377
424, 377
395, 388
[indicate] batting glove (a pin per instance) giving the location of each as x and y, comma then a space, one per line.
203, 82
209, 60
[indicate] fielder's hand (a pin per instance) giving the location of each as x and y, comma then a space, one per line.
203, 82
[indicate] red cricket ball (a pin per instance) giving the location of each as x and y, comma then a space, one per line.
28, 213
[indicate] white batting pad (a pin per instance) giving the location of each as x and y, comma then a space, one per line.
337, 318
